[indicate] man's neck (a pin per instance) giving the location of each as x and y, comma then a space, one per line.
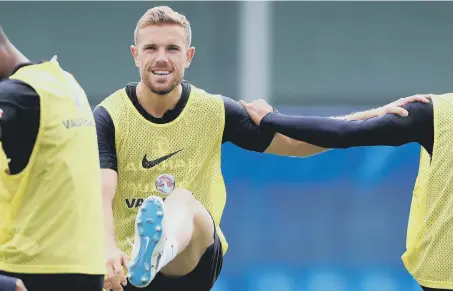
156, 104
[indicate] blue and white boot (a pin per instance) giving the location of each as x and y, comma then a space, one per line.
149, 242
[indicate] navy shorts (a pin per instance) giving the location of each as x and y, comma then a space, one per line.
59, 282
202, 278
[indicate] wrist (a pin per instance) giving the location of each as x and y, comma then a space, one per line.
265, 119
111, 243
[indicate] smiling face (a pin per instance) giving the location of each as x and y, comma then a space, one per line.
162, 49
162, 55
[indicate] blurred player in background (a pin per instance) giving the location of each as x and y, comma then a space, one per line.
429, 254
51, 234
161, 139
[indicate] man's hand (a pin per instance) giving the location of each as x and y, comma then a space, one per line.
116, 260
20, 285
396, 106
257, 109
391, 108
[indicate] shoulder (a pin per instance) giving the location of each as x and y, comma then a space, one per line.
104, 123
442, 106
115, 103
101, 115
231, 104
228, 106
202, 93
441, 99
18, 92
14, 87
206, 100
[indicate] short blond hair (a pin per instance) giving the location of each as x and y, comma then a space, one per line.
163, 15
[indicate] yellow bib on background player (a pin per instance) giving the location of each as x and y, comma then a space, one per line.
188, 148
429, 254
51, 212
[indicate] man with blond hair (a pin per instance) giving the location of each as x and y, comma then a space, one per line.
163, 132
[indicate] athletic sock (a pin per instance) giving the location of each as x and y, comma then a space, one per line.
169, 252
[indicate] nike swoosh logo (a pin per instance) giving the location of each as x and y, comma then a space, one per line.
149, 164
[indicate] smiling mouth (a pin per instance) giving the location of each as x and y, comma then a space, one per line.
161, 72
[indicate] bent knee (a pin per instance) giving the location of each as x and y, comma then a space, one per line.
185, 197
181, 195
204, 228
203, 232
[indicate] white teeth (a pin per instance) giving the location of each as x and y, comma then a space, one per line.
161, 72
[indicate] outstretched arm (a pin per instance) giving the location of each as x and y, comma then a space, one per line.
390, 129
241, 128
